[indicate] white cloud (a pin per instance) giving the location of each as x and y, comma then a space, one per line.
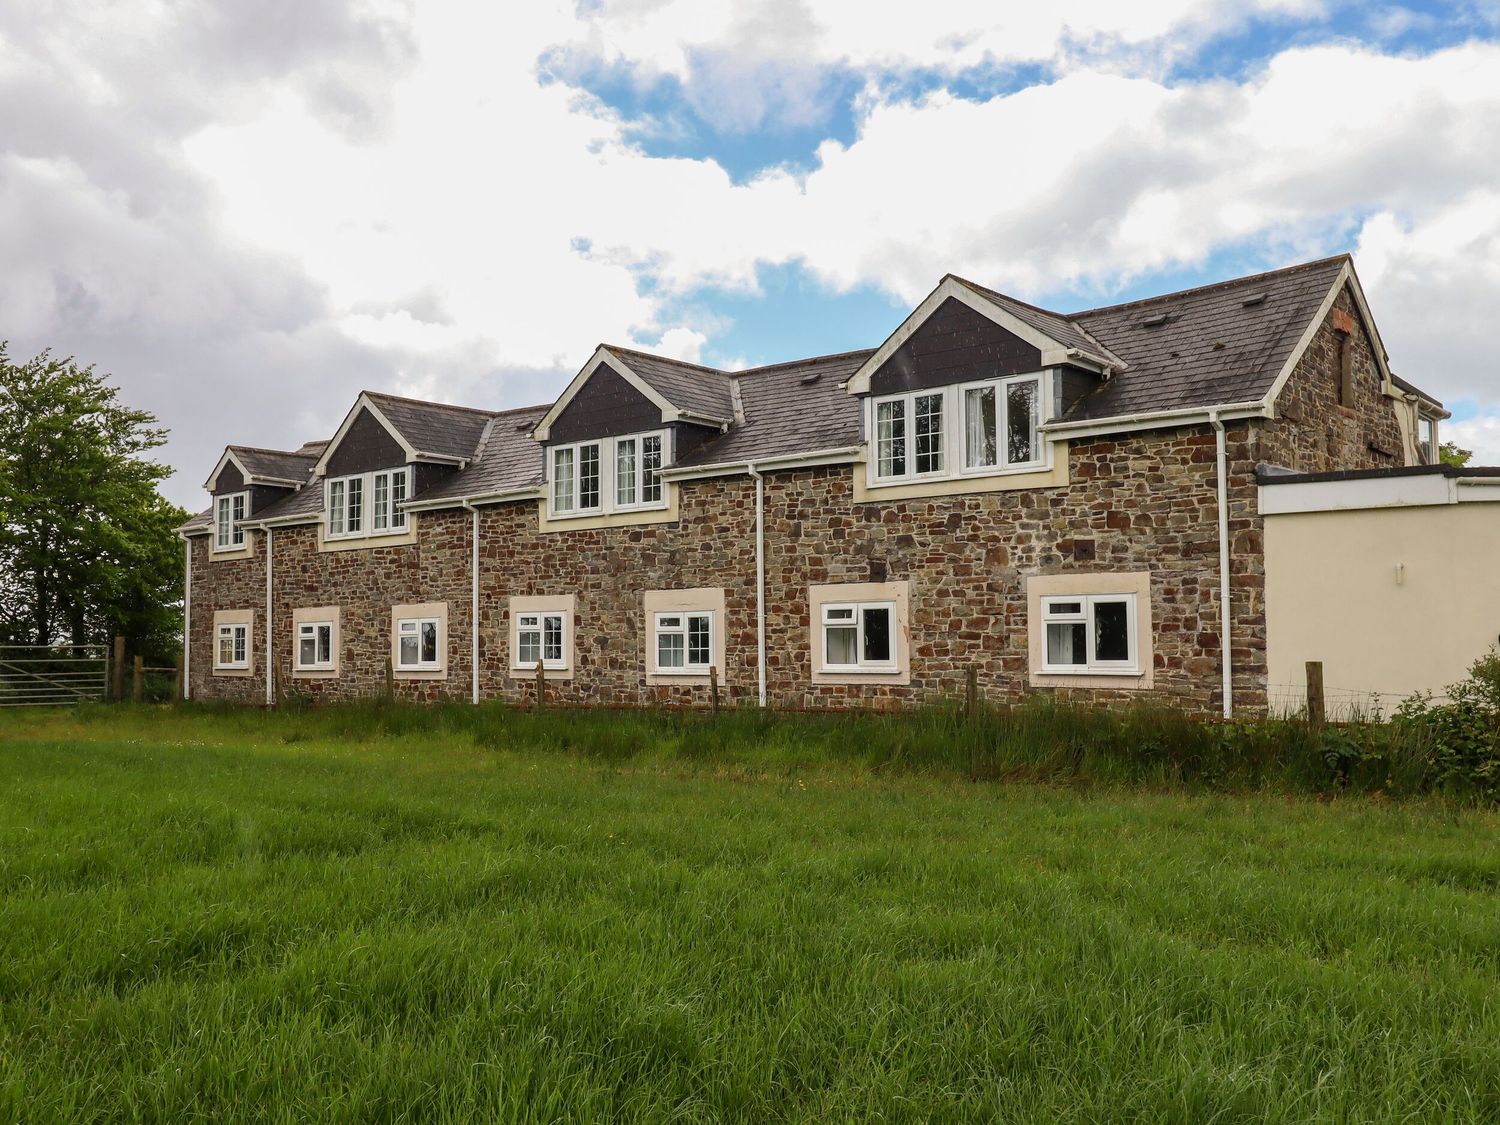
1479, 434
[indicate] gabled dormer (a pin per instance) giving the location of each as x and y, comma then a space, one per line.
245, 482
956, 398
622, 420
387, 450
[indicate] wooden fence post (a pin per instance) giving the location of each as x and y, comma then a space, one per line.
177, 676
541, 686
138, 679
713, 686
971, 693
1316, 706
117, 671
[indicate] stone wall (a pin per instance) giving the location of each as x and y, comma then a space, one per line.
227, 584
1141, 501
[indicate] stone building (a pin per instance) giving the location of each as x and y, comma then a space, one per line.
1066, 503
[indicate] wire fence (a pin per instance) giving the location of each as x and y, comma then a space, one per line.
52, 675
1340, 704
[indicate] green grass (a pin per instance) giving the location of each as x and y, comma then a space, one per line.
360, 916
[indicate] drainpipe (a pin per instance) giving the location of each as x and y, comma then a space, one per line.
760, 578
474, 604
1222, 467
270, 651
187, 620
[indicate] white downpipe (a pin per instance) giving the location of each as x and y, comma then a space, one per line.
1222, 466
760, 579
187, 620
270, 651
474, 604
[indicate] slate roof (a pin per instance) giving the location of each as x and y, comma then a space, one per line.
277, 464
704, 391
1212, 348
434, 427
797, 407
507, 460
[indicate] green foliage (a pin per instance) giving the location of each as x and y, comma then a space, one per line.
363, 914
87, 548
1461, 737
1449, 453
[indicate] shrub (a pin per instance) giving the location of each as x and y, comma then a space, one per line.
1459, 740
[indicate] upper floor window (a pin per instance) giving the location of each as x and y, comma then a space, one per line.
995, 422
228, 511
1428, 439
608, 475
367, 504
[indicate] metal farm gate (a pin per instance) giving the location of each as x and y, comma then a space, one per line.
52, 675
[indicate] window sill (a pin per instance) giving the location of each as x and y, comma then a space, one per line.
315, 673
886, 670
229, 554
404, 537
242, 673
420, 673
1076, 672
1008, 480
590, 521
522, 672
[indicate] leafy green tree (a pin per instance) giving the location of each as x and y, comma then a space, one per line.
1450, 454
86, 542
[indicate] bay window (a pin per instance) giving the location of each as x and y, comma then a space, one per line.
382, 493
228, 511
1092, 634
608, 475
684, 642
997, 418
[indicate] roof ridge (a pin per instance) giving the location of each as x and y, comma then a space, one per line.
668, 359
1213, 285
1014, 300
428, 402
263, 449
802, 362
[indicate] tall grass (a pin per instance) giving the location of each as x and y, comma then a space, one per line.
378, 915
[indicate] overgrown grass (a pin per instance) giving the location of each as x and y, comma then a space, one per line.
380, 915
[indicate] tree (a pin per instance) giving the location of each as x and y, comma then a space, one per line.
87, 548
1450, 454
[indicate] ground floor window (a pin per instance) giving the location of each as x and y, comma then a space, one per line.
859, 636
418, 643
315, 645
684, 642
234, 647
541, 631
539, 639
419, 640
1090, 634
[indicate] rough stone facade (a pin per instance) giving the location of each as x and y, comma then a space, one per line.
1143, 501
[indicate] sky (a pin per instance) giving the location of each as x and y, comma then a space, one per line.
247, 213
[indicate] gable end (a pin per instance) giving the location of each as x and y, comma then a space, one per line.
954, 345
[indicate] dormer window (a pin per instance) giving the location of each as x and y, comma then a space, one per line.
1428, 439
608, 475
229, 510
366, 504
997, 418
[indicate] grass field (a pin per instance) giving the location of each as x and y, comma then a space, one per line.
244, 917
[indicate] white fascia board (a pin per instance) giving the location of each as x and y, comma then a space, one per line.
843, 456
530, 493
362, 403
1417, 491
284, 521
1060, 353
1154, 420
603, 356
1478, 490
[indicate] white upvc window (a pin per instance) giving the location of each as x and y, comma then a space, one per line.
684, 642
315, 646
228, 511
970, 429
859, 637
542, 637
232, 647
419, 644
1428, 439
1092, 634
366, 504
608, 475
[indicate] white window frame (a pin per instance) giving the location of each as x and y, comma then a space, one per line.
884, 667
955, 431
228, 534
609, 501
309, 630
1052, 612
238, 634
535, 621
375, 519
681, 628
416, 623
1427, 436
